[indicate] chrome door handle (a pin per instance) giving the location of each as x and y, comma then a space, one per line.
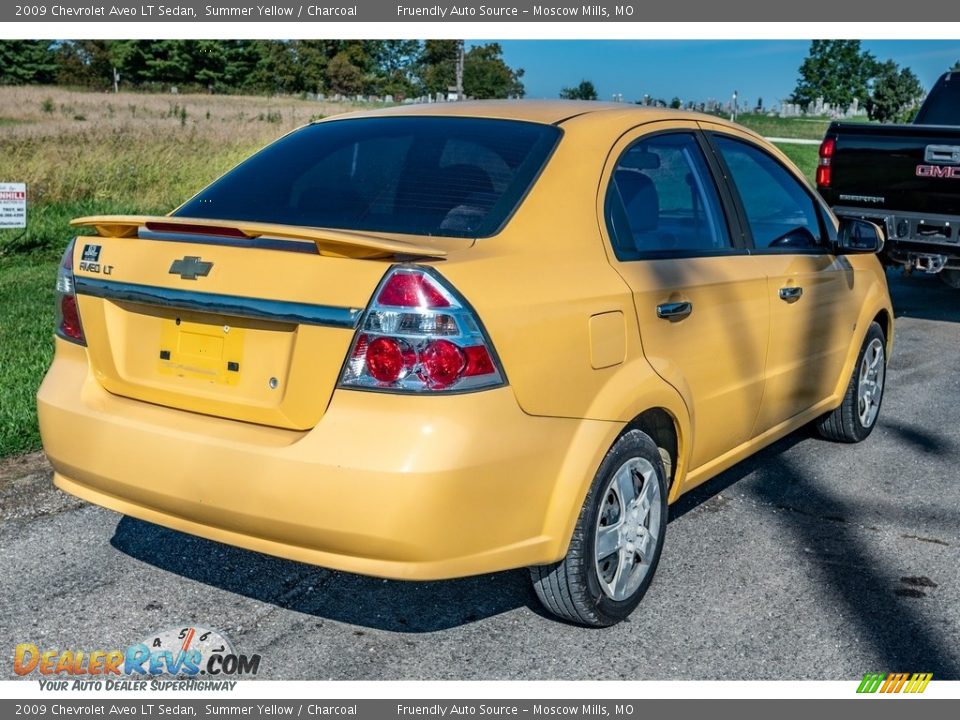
791, 294
674, 311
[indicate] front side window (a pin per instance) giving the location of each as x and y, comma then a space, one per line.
780, 212
662, 200
460, 177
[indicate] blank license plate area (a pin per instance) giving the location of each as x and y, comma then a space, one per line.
201, 351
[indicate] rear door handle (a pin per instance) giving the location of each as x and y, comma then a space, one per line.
791, 294
674, 311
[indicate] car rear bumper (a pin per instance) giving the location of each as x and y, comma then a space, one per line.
386, 485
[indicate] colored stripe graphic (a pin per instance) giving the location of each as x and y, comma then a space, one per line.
894, 682
871, 682
918, 682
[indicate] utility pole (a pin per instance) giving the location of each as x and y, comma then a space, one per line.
460, 59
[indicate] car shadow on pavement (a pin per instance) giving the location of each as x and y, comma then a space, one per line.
923, 296
885, 612
397, 606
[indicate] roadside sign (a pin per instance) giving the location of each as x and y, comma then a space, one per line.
13, 205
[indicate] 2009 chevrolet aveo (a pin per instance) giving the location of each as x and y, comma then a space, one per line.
432, 342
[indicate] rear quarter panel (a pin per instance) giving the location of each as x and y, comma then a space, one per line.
538, 284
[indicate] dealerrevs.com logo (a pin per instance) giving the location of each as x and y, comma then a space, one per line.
184, 653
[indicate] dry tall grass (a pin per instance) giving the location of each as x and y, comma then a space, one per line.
143, 150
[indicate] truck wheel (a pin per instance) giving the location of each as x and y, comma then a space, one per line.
857, 415
617, 541
951, 278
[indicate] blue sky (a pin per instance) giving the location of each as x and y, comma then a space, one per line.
696, 69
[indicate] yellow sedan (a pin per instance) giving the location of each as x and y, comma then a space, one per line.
443, 340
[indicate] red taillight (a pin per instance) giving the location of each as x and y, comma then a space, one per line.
388, 359
479, 361
442, 363
411, 290
824, 167
70, 318
419, 336
69, 326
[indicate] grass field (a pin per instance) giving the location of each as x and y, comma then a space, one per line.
804, 157
26, 299
91, 153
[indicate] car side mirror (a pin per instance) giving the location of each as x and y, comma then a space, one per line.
857, 236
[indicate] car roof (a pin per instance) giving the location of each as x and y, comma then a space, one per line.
552, 112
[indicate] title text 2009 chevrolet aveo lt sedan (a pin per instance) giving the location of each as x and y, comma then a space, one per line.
433, 342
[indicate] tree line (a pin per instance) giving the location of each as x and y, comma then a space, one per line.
840, 71
401, 68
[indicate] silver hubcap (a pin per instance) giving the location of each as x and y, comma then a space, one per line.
870, 383
628, 528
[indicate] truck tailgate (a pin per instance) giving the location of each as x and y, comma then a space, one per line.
912, 168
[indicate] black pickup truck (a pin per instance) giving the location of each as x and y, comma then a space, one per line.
905, 178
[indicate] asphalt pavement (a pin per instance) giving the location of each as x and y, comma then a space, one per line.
811, 560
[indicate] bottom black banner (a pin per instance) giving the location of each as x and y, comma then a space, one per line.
875, 709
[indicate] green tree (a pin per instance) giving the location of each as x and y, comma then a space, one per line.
27, 62
895, 93
343, 76
437, 65
956, 66
676, 103
310, 59
169, 62
131, 58
395, 64
486, 75
274, 68
584, 91
208, 64
240, 61
836, 70
86, 63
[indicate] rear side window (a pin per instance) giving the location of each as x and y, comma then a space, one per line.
942, 106
662, 200
780, 212
459, 177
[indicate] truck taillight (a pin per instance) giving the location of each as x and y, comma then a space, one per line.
418, 335
68, 314
823, 166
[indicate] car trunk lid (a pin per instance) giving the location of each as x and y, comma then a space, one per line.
246, 321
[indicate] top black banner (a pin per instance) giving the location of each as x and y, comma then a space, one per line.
327, 11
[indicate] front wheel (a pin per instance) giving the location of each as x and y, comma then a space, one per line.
617, 541
857, 415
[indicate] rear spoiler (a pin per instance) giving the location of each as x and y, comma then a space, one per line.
336, 243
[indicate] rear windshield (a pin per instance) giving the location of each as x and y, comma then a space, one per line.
459, 177
942, 106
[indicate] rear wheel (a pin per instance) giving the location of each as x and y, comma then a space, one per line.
857, 415
617, 541
950, 278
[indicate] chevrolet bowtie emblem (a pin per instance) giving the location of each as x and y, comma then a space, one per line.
190, 268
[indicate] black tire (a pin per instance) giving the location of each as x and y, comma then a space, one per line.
846, 424
573, 588
950, 278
